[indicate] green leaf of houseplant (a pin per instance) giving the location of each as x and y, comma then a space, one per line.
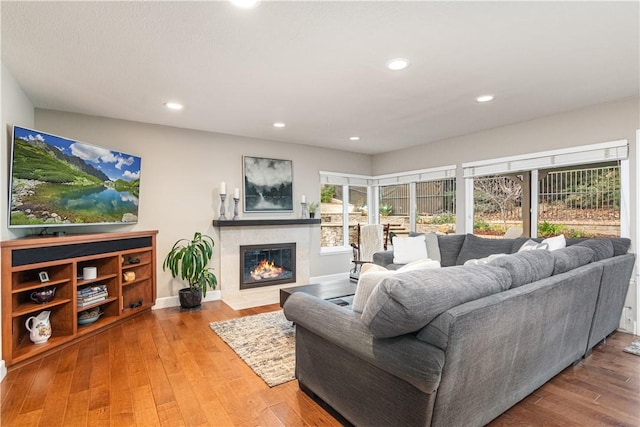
188, 260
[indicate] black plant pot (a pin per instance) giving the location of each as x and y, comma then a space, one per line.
190, 298
312, 214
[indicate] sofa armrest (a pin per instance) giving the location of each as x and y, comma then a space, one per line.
405, 357
383, 258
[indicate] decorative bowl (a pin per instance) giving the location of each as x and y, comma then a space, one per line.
90, 316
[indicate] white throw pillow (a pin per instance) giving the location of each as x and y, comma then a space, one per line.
409, 249
367, 282
420, 264
532, 245
372, 274
485, 260
368, 267
555, 243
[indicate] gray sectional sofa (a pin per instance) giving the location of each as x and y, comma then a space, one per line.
457, 346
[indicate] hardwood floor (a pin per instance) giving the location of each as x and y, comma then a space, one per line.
168, 368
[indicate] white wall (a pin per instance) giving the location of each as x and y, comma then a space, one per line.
182, 170
15, 108
600, 123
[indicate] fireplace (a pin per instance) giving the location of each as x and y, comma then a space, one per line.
267, 264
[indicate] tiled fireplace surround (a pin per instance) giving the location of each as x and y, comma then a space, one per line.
233, 234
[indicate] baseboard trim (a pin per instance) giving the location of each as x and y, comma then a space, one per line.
174, 301
3, 370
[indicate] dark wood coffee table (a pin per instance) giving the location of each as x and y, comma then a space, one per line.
326, 290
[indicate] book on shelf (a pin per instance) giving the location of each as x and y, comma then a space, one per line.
96, 294
89, 289
93, 297
86, 303
91, 294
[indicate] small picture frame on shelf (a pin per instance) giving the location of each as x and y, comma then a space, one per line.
44, 276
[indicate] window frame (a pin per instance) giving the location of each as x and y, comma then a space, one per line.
373, 184
533, 162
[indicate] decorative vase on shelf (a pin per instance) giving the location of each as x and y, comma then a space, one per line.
40, 329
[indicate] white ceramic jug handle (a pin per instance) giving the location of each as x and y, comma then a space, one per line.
27, 323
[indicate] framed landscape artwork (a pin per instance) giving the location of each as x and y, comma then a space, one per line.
268, 184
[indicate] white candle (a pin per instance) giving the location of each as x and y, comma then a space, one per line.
303, 199
223, 187
236, 193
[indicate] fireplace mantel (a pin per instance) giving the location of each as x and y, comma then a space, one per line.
264, 222
232, 234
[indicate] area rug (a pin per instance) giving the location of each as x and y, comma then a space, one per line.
633, 348
266, 342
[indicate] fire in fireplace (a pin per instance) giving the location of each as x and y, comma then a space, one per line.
266, 265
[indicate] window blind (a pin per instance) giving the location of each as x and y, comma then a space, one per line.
594, 153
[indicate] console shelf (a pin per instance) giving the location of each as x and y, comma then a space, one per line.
63, 260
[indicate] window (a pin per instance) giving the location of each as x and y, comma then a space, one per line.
579, 191
358, 210
332, 216
580, 201
436, 206
344, 202
426, 197
334, 206
497, 204
394, 208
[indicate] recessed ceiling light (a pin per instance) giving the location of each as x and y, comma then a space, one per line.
485, 98
278, 125
245, 4
355, 138
397, 64
174, 105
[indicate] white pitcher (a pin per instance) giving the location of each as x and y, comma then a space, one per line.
40, 327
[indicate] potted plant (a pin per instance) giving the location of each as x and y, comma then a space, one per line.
188, 261
313, 207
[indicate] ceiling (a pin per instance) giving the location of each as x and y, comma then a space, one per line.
319, 66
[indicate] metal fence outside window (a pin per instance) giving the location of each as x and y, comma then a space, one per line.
432, 197
436, 197
589, 193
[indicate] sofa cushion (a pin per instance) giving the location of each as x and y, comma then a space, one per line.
527, 266
621, 245
556, 242
406, 302
571, 257
475, 247
431, 239
372, 274
531, 245
450, 246
409, 249
602, 248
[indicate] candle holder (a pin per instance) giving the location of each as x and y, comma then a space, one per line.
222, 217
235, 208
304, 212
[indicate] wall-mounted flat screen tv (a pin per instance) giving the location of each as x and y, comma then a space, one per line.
57, 181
